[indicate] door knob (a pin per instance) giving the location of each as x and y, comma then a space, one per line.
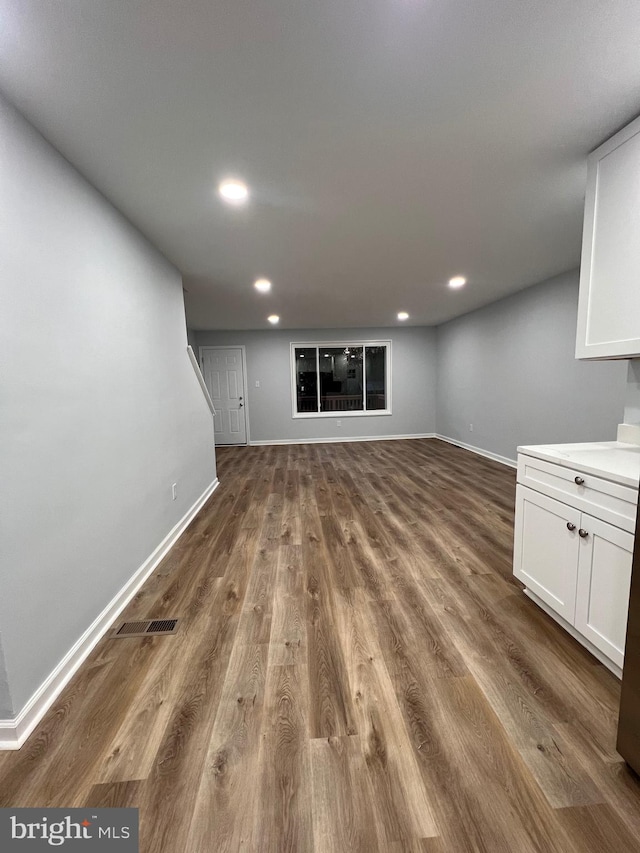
579, 481
241, 405
570, 526
582, 533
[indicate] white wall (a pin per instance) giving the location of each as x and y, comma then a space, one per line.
268, 361
509, 369
101, 410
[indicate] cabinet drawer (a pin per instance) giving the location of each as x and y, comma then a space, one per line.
609, 501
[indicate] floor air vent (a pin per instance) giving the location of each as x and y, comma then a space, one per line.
146, 628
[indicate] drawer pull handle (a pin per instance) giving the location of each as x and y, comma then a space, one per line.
582, 533
570, 526
579, 481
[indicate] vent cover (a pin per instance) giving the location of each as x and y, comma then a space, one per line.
146, 628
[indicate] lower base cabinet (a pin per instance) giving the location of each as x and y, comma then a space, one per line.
578, 565
604, 580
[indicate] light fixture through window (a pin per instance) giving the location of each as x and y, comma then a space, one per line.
273, 319
263, 285
233, 191
457, 281
402, 315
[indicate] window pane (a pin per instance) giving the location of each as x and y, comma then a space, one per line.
341, 379
376, 378
306, 379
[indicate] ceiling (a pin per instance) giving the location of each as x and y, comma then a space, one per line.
388, 144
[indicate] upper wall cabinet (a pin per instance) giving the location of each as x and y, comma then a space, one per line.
609, 305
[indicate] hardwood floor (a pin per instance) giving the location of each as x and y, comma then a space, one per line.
356, 670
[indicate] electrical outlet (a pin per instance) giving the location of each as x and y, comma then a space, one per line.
470, 427
339, 423
174, 491
257, 383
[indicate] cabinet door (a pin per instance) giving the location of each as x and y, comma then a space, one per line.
545, 555
604, 577
609, 304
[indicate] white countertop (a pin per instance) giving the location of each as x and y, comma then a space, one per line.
613, 460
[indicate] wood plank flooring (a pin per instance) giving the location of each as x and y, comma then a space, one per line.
356, 670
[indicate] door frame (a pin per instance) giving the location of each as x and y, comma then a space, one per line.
243, 349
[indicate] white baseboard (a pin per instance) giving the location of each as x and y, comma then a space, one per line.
342, 439
504, 460
14, 732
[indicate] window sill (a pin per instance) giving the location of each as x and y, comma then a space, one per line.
339, 415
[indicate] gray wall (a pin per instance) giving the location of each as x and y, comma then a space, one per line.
192, 341
509, 369
6, 705
101, 409
632, 396
268, 361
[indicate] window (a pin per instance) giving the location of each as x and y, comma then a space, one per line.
341, 378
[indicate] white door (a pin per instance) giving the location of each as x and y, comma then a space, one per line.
604, 578
545, 549
224, 376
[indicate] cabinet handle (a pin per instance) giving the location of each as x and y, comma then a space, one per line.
582, 533
570, 526
579, 481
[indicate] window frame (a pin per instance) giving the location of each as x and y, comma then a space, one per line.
365, 413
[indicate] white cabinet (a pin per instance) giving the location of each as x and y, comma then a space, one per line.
604, 578
573, 549
609, 304
545, 551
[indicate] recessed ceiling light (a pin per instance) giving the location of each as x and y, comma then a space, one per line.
402, 315
457, 281
273, 318
235, 192
263, 285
